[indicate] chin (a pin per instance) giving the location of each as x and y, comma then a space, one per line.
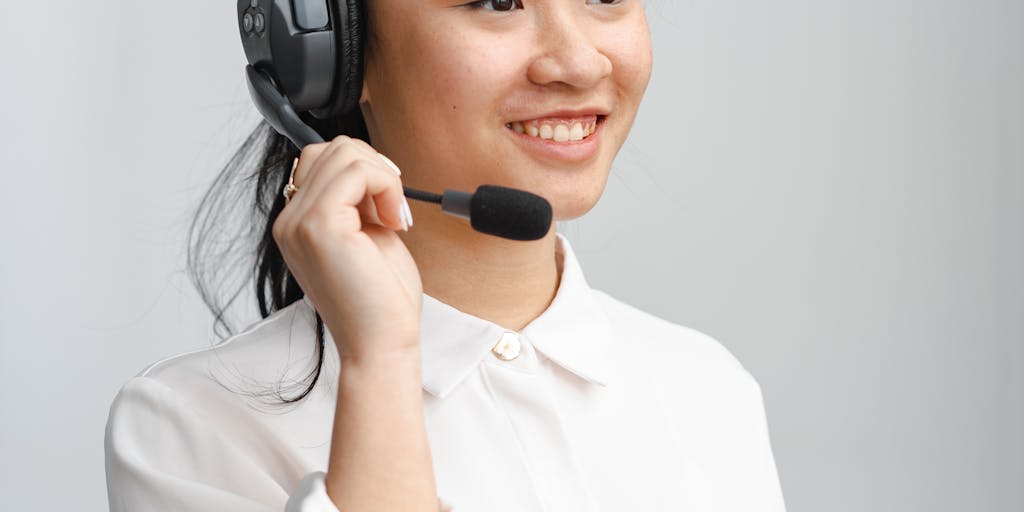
571, 195
572, 204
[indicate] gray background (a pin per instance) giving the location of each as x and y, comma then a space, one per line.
834, 190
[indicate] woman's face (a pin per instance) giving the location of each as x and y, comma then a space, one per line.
531, 94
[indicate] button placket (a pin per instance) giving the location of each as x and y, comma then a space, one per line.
527, 400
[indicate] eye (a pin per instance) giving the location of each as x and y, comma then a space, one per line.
605, 2
496, 5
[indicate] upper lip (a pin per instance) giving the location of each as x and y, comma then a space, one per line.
564, 112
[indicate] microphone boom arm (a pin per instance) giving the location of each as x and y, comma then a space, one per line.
276, 109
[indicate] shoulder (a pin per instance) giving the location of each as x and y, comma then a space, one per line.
190, 430
258, 351
654, 343
689, 376
276, 352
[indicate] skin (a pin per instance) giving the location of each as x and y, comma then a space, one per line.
442, 81
475, 71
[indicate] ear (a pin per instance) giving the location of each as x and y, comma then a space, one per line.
364, 94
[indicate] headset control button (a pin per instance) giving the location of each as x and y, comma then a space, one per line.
254, 3
259, 22
247, 22
311, 14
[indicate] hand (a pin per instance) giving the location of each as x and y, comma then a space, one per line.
336, 235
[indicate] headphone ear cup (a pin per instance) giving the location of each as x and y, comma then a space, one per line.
349, 35
298, 53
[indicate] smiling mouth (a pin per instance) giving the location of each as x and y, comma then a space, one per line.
558, 129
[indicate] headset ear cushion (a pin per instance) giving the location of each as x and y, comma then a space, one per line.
349, 34
352, 48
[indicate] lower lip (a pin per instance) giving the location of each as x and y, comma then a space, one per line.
569, 151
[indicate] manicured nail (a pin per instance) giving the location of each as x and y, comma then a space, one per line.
404, 221
390, 164
408, 212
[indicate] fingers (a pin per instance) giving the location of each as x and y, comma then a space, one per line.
373, 190
307, 157
349, 173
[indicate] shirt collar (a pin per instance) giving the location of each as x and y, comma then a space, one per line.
572, 332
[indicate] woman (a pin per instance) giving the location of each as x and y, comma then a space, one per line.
448, 365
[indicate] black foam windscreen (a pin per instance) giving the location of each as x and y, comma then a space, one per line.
510, 213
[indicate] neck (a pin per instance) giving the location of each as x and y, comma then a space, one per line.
506, 282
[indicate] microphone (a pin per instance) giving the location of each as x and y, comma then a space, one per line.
500, 211
494, 210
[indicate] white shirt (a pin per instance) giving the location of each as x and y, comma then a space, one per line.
593, 406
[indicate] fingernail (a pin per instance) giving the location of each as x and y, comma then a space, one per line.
404, 224
390, 164
408, 212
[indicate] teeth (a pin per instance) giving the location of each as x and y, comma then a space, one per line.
546, 132
554, 131
561, 133
576, 133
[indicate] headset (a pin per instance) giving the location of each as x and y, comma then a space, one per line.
307, 56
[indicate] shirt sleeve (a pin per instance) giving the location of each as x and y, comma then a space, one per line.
161, 454
744, 451
311, 496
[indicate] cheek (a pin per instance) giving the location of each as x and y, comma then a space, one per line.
447, 98
468, 80
637, 70
632, 58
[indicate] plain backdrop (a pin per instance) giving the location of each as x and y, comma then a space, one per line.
832, 189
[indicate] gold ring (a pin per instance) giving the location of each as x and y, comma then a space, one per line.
290, 188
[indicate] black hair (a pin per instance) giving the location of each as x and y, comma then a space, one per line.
232, 229
232, 226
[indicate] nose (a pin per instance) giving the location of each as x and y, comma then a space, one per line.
568, 56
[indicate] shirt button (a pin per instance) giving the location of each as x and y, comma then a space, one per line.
507, 347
